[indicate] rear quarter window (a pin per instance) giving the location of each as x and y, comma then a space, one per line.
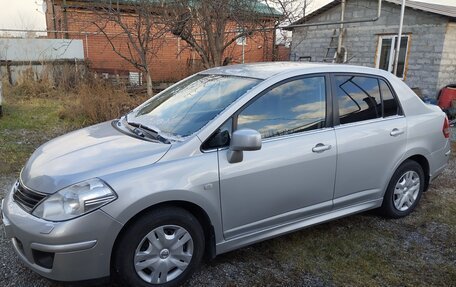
390, 105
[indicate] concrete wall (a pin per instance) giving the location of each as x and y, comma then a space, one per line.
428, 33
447, 74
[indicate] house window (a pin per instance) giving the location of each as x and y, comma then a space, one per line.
385, 54
134, 78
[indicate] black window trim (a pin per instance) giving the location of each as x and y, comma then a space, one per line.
335, 101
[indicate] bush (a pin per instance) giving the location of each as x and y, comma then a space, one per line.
87, 100
99, 102
49, 80
27, 86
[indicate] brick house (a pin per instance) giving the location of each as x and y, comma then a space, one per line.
427, 58
174, 60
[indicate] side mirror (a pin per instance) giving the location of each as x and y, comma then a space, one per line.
243, 140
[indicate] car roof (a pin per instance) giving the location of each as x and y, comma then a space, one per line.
266, 70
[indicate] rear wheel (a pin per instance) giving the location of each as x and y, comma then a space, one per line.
404, 190
162, 248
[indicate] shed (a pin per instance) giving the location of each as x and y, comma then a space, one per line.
427, 58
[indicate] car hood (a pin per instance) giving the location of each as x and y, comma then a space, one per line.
87, 153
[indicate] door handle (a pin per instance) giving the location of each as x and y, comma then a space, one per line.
395, 132
321, 148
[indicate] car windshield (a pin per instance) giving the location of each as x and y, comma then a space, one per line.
186, 107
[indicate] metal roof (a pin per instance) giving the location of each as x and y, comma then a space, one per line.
444, 10
256, 6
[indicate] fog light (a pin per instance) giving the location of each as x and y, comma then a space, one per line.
43, 259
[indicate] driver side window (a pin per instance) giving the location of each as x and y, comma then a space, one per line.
292, 107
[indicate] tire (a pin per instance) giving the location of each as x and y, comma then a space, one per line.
167, 240
404, 190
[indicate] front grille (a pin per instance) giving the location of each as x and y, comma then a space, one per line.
27, 198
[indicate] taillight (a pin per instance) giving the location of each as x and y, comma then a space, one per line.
446, 128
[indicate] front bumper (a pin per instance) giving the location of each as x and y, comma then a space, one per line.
74, 250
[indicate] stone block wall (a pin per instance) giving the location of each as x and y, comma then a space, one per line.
432, 50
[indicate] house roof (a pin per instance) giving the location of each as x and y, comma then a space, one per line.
252, 5
444, 10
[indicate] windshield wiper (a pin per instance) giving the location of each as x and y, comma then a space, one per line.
141, 130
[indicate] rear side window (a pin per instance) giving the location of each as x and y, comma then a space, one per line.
390, 106
363, 98
359, 98
292, 107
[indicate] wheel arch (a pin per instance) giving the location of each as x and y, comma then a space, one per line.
197, 211
424, 163
421, 160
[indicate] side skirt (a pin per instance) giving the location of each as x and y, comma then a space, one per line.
267, 233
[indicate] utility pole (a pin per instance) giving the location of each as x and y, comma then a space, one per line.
341, 33
304, 9
399, 37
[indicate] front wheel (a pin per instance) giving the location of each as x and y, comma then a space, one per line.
162, 248
404, 190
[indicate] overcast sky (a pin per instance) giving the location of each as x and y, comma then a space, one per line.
28, 14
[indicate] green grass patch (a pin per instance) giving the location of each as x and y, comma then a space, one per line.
365, 250
27, 123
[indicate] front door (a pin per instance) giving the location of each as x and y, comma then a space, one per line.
292, 176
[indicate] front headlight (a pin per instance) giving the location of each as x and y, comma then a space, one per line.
75, 200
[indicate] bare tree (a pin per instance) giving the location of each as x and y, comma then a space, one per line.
211, 26
134, 32
291, 10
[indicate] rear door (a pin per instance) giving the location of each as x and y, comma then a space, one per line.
371, 137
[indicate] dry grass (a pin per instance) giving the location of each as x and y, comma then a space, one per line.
36, 111
98, 102
87, 101
27, 87
60, 76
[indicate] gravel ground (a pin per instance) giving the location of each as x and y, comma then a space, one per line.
240, 268
257, 266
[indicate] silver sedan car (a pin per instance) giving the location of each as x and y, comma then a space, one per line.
223, 159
